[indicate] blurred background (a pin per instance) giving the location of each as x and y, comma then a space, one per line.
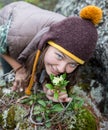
46, 4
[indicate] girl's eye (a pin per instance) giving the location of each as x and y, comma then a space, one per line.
73, 65
59, 56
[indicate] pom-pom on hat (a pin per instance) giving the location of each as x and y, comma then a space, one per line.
74, 36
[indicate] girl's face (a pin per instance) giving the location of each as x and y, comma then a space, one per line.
56, 62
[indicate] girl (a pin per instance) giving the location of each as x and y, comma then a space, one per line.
37, 43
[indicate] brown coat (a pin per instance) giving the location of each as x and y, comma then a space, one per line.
29, 24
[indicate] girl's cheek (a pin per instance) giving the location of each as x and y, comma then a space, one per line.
70, 70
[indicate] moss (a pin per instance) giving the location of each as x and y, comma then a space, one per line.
10, 118
84, 85
1, 119
7, 119
14, 116
20, 113
85, 120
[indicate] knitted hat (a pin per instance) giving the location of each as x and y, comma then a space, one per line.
74, 36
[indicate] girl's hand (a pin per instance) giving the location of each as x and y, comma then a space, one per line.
63, 96
20, 80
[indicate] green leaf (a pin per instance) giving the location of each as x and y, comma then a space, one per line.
47, 111
24, 101
56, 95
31, 102
51, 77
48, 124
62, 90
39, 118
57, 108
41, 102
80, 104
36, 108
49, 86
36, 112
64, 75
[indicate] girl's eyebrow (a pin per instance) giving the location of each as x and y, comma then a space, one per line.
72, 61
61, 53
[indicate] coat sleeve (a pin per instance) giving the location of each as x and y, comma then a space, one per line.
29, 24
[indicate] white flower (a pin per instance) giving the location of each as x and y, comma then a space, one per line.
5, 114
7, 91
57, 80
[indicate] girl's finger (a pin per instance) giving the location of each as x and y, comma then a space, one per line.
50, 93
15, 85
63, 96
65, 100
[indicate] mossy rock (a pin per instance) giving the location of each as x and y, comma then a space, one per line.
1, 119
8, 119
85, 120
15, 116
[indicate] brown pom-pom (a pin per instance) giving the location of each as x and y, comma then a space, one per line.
92, 13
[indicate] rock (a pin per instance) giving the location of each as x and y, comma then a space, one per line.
96, 70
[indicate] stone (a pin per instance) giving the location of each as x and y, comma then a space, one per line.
96, 70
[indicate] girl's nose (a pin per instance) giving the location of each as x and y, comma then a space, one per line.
62, 67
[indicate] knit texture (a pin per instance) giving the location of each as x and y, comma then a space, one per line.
76, 35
